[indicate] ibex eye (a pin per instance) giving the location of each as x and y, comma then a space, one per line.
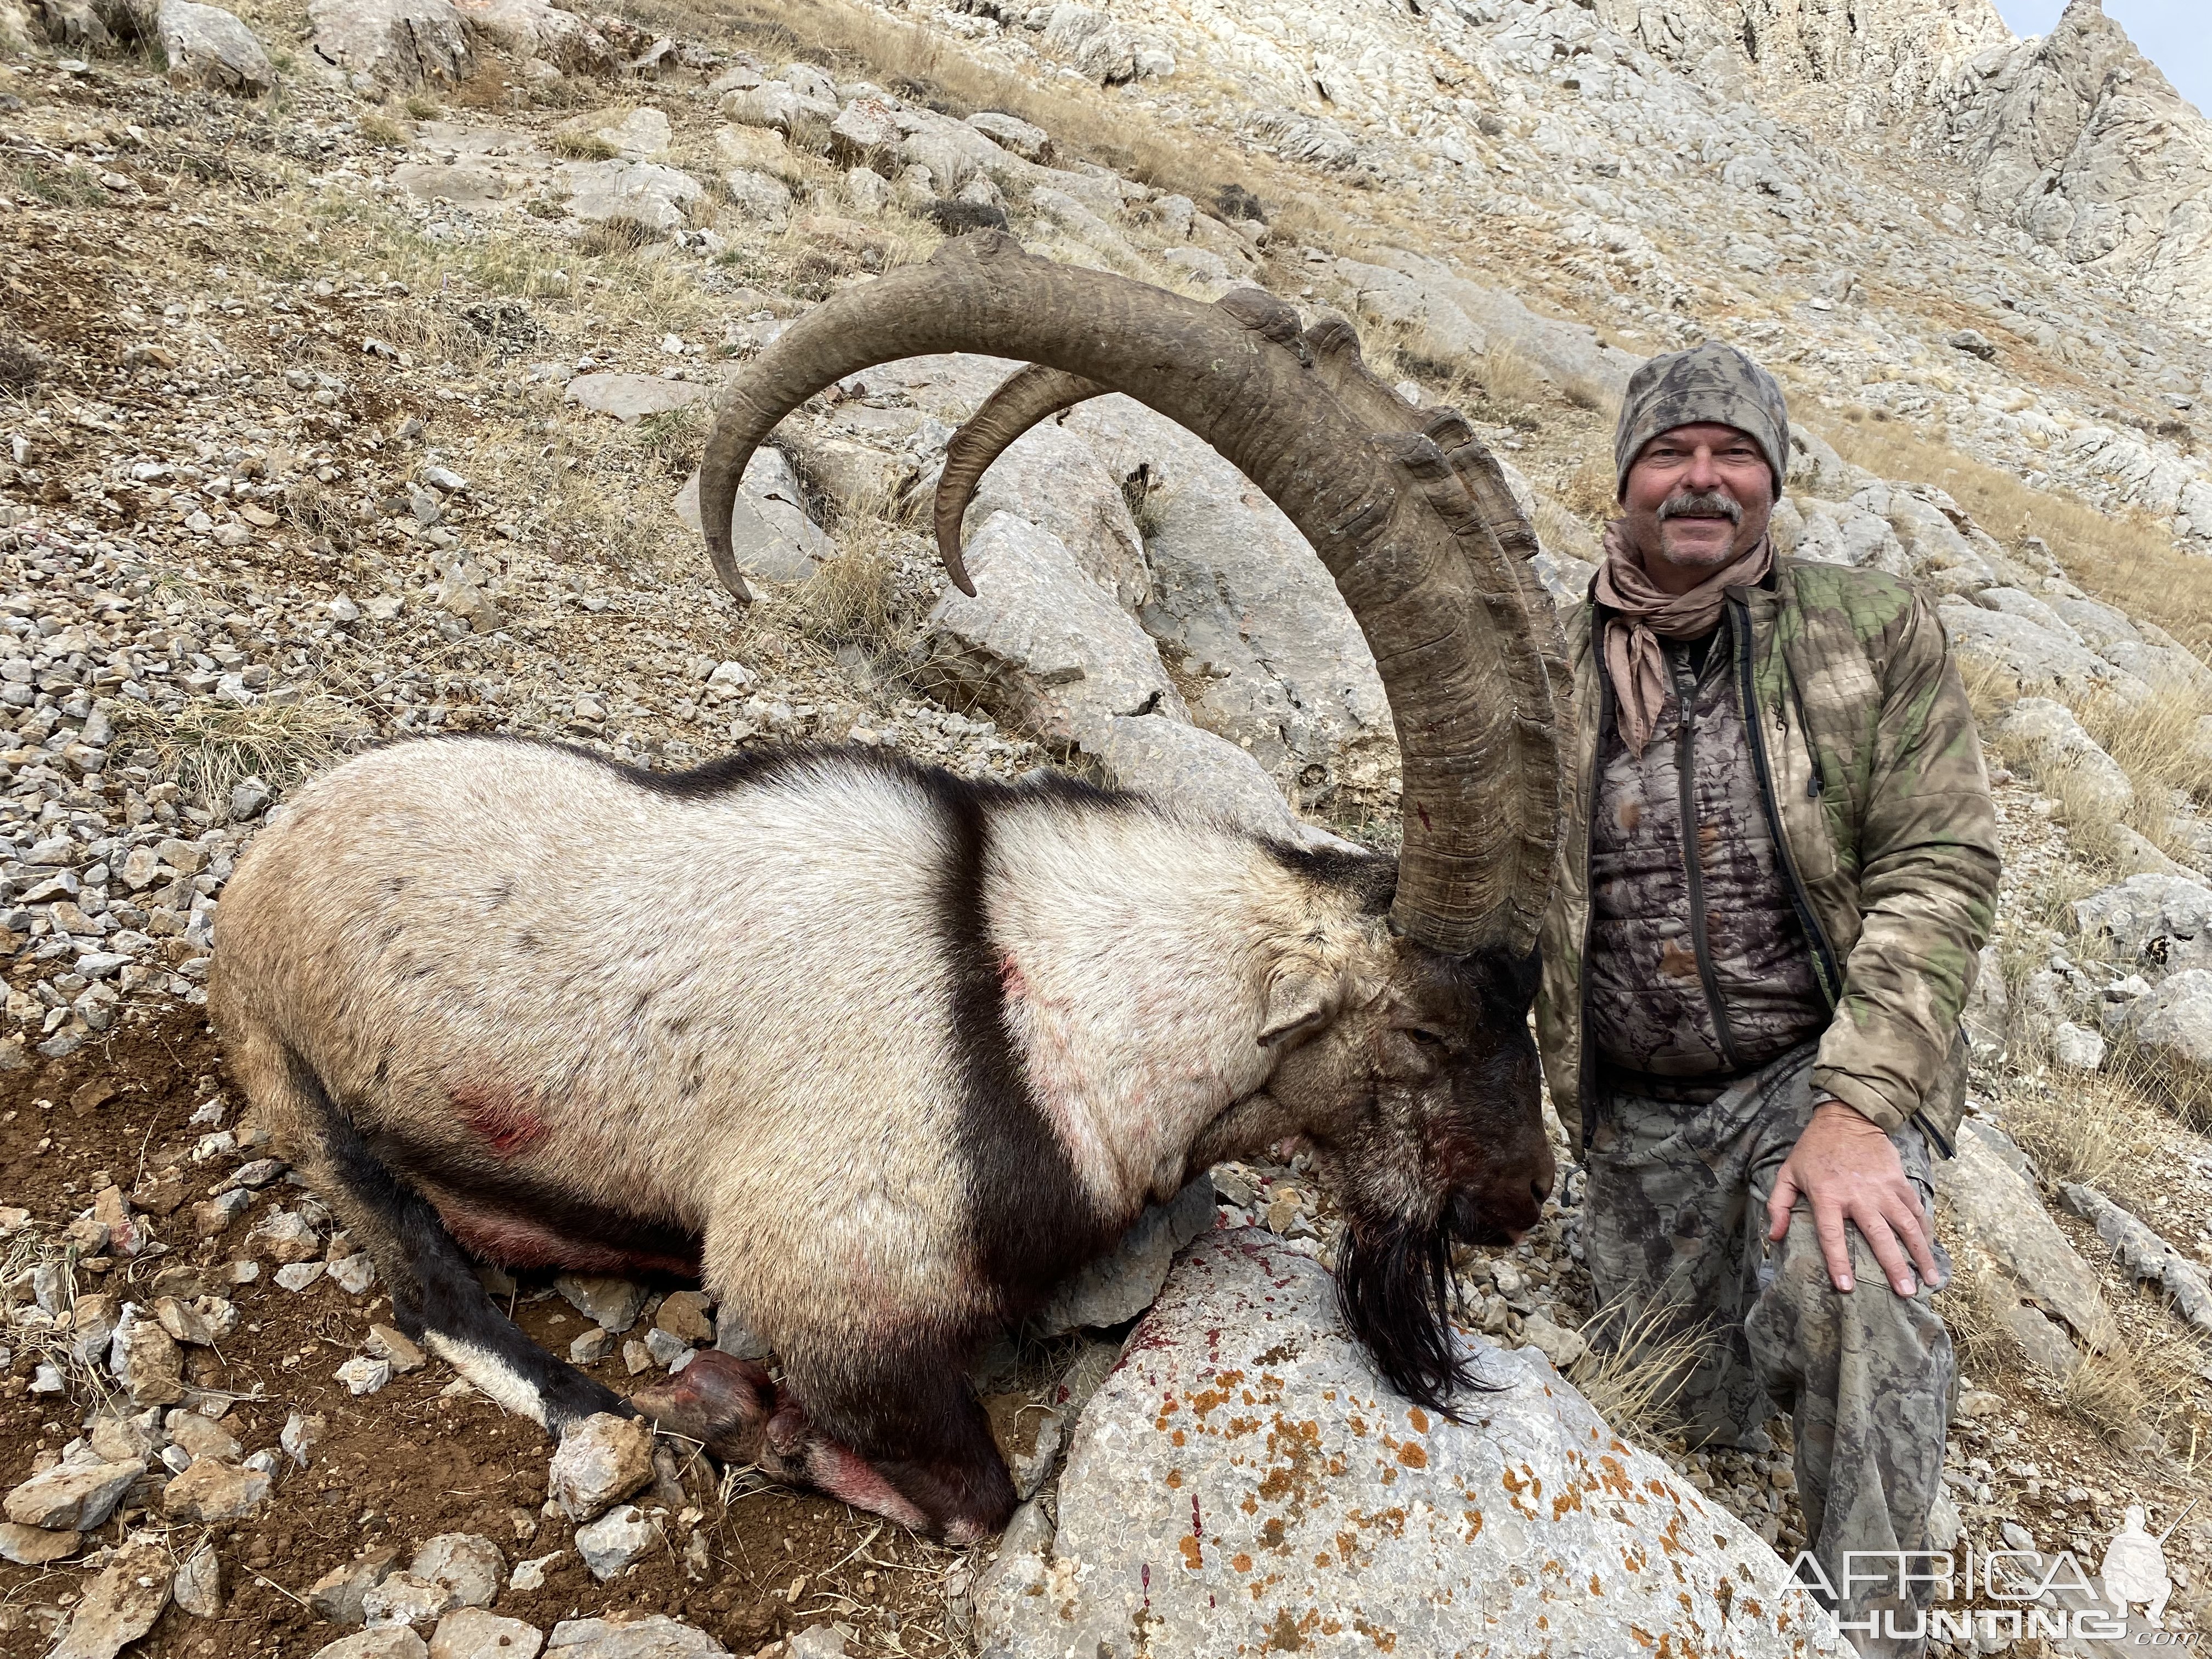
1426, 1039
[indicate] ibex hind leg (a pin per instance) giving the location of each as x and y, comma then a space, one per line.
436, 1297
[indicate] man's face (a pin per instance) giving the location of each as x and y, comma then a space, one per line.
1699, 497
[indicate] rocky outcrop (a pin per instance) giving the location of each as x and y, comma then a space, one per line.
206, 46
1244, 1476
395, 45
2079, 140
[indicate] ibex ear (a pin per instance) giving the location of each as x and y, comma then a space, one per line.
1301, 1000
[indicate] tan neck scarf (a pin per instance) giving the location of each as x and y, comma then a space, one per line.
1646, 615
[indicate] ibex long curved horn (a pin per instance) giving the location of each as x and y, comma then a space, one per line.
1441, 606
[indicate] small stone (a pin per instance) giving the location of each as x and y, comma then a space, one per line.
665, 1348
212, 1216
197, 1588
732, 1338
592, 1347
183, 1322
202, 1436
336, 1595
35, 1547
388, 1342
615, 1539
300, 1275
683, 1313
364, 1375
212, 1490
658, 1637
472, 1633
469, 1566
391, 1642
816, 1642
1562, 1347
354, 1274
531, 1575
145, 1359
636, 1357
301, 1436
72, 1497
404, 1598
120, 1606
600, 1462
612, 1303
2076, 1047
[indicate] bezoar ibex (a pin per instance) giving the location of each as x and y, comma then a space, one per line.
881, 1054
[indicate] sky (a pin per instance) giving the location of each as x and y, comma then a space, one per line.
2171, 33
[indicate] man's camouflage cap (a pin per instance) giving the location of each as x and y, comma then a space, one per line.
1707, 383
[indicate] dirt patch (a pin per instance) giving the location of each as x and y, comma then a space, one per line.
408, 1462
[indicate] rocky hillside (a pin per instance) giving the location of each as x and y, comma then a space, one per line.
354, 361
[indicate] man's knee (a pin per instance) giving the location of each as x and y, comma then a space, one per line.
1799, 1303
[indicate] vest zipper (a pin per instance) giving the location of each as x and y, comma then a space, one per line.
1824, 954
1585, 1070
1685, 766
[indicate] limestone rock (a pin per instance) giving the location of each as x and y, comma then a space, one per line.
1011, 132
2144, 1254
464, 184
336, 1595
1187, 766
36, 1547
537, 28
633, 135
2076, 1047
388, 1642
120, 1606
652, 199
72, 1497
397, 45
469, 1566
2158, 921
1054, 479
600, 1462
630, 398
1041, 646
1246, 609
656, 1637
1122, 1283
2038, 661
197, 1586
1995, 1209
770, 535
1354, 1512
615, 1539
2051, 732
212, 1490
403, 1599
472, 1633
206, 46
758, 196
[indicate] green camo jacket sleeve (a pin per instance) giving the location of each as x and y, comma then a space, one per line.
1928, 861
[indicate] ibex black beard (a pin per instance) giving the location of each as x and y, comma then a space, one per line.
1394, 1285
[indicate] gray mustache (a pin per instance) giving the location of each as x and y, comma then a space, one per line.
1704, 504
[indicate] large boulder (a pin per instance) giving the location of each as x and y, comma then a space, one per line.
395, 44
1991, 1207
206, 46
1123, 1283
1245, 1481
653, 200
1244, 608
2038, 661
2051, 734
537, 28
1191, 767
1052, 478
1041, 646
2174, 1024
2157, 921
771, 534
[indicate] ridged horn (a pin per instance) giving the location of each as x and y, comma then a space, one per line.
1438, 603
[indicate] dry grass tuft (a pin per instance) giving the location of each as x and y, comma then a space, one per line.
2139, 1392
212, 747
383, 131
583, 145
2096, 1129
1973, 1304
1637, 1367
854, 599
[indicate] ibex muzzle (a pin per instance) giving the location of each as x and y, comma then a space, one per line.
881, 1056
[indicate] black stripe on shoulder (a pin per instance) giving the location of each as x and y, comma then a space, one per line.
1029, 1217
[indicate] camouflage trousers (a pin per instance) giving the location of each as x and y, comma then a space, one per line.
1675, 1235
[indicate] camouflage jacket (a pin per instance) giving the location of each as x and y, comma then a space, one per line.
1871, 773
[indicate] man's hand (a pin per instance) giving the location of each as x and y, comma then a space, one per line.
1848, 1170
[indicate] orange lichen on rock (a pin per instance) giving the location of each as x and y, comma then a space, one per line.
1412, 1457
1192, 1556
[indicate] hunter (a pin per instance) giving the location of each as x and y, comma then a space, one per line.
1780, 860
